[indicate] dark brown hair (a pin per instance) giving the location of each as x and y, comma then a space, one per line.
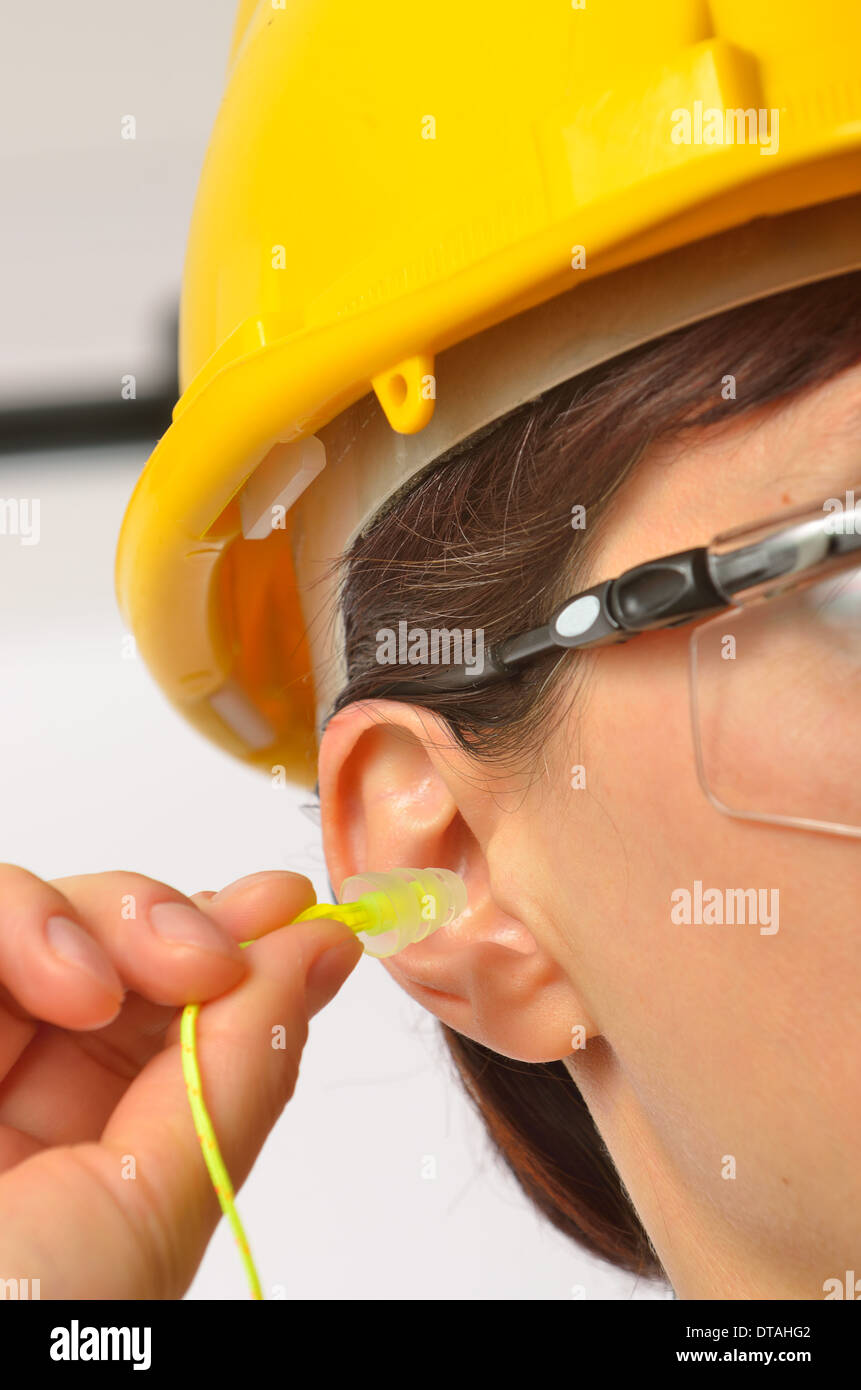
483, 539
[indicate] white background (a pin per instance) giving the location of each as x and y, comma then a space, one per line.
99, 773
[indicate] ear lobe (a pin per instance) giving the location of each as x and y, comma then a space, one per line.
393, 792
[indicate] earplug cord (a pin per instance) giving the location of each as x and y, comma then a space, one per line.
357, 919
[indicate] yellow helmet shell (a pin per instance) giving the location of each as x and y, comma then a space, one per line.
382, 184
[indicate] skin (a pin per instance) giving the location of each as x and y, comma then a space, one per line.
702, 1041
91, 1069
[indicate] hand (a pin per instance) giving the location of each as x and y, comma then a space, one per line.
103, 1188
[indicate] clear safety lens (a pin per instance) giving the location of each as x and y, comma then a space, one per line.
775, 698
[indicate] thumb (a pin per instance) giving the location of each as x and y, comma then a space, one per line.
328, 970
250, 1043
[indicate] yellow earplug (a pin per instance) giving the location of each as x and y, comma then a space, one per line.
389, 911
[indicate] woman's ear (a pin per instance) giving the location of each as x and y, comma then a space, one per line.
396, 790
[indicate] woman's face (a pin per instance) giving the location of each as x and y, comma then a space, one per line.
719, 1059
735, 1045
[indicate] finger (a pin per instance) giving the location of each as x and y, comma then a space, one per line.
260, 903
163, 946
144, 1238
31, 1099
98, 1066
250, 907
49, 963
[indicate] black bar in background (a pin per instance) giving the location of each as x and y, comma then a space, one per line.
85, 422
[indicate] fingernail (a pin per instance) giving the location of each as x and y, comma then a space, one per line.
328, 973
185, 926
73, 946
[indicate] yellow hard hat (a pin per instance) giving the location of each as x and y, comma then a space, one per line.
411, 220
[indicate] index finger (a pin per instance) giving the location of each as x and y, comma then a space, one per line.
259, 903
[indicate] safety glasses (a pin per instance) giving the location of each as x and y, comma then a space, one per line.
775, 674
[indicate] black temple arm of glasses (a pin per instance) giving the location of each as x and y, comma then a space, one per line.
660, 593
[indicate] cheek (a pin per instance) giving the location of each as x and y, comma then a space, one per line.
727, 1030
